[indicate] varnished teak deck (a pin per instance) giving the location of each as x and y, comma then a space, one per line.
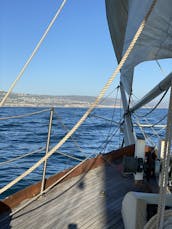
91, 200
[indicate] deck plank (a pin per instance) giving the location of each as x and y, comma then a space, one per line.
91, 200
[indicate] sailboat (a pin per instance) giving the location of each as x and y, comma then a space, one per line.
124, 188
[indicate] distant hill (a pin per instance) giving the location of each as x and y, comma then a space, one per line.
29, 100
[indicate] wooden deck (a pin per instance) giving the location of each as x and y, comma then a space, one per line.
90, 200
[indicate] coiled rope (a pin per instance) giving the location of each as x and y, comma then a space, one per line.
83, 118
151, 224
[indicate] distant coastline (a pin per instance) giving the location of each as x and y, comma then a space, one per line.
76, 101
29, 100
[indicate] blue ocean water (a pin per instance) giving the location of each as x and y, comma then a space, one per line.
23, 135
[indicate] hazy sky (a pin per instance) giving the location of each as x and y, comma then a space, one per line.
77, 56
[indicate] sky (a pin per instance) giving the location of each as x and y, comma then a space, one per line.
77, 56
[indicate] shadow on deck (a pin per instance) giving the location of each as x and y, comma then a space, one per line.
89, 197
5, 215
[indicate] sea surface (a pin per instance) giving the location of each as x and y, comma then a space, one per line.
100, 133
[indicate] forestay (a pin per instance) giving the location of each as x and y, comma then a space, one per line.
155, 42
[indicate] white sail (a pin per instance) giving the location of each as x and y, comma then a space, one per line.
155, 41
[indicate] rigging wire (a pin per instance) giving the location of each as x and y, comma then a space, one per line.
144, 134
24, 115
91, 108
141, 116
66, 129
108, 95
106, 119
21, 156
69, 156
111, 122
109, 139
33, 53
164, 117
155, 132
160, 67
109, 132
165, 166
156, 123
103, 146
151, 125
114, 106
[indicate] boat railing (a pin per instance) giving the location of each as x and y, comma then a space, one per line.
47, 149
92, 106
41, 149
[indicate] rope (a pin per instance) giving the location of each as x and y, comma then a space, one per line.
144, 134
69, 156
155, 124
83, 118
113, 114
108, 95
21, 156
108, 140
151, 224
44, 191
162, 129
109, 131
111, 122
24, 115
33, 54
156, 133
151, 126
66, 129
165, 165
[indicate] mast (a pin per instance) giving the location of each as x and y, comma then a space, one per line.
127, 126
124, 18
